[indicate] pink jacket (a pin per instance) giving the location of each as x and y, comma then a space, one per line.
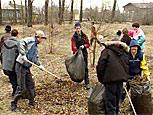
134, 34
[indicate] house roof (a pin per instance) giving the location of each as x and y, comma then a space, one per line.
141, 5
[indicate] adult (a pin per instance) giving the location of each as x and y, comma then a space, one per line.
112, 71
9, 55
27, 51
80, 40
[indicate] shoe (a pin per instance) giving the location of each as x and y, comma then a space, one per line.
13, 107
87, 87
32, 103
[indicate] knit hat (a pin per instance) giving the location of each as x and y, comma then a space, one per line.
77, 24
8, 28
41, 34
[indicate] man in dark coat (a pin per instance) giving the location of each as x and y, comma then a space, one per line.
9, 54
112, 71
80, 40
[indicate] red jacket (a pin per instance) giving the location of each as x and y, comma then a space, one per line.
73, 44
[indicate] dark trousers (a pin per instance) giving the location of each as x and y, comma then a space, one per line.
112, 96
25, 83
123, 96
86, 70
13, 79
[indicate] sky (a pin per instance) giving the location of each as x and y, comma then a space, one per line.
86, 3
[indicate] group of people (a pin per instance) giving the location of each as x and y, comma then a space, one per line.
122, 59
14, 56
116, 64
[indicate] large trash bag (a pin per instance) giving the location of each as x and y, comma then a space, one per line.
96, 100
141, 98
75, 66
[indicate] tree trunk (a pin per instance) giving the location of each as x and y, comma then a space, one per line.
29, 24
59, 14
71, 16
0, 13
46, 11
15, 16
63, 8
81, 11
26, 11
51, 28
94, 53
22, 11
113, 11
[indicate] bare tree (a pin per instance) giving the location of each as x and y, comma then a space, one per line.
29, 23
26, 11
0, 13
22, 11
15, 16
63, 8
81, 10
59, 13
46, 11
71, 16
113, 11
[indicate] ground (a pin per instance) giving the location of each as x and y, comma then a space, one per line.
62, 96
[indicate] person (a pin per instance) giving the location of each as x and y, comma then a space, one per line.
117, 36
138, 35
137, 64
126, 39
94, 33
112, 71
9, 54
5, 37
27, 51
80, 40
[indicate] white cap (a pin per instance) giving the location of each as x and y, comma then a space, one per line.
41, 34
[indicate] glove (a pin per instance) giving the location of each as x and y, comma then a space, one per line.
41, 67
24, 57
82, 47
124, 84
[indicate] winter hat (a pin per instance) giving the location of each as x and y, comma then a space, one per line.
8, 28
41, 34
77, 24
133, 42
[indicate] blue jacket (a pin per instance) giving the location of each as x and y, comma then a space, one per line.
28, 47
135, 62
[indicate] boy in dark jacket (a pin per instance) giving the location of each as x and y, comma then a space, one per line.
5, 37
112, 71
126, 39
9, 54
80, 40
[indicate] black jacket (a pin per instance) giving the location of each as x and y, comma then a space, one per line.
126, 39
113, 65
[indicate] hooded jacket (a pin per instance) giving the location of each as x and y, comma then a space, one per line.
9, 54
113, 63
137, 62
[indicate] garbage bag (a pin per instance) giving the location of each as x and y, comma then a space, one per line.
96, 100
141, 98
75, 66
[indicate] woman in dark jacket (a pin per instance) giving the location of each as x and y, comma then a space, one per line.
112, 71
